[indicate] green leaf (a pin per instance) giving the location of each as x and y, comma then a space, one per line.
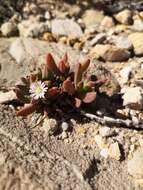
86, 89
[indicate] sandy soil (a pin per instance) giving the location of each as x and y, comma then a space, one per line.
29, 159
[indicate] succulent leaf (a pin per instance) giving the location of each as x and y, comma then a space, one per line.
77, 74
28, 109
64, 65
61, 87
39, 74
68, 87
77, 102
79, 70
18, 92
52, 92
89, 97
33, 78
25, 81
80, 85
86, 89
51, 65
85, 65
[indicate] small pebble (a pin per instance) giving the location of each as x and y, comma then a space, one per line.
104, 152
64, 135
47, 15
114, 151
65, 126
135, 120
125, 74
100, 141
105, 131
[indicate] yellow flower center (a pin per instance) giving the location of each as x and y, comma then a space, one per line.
38, 90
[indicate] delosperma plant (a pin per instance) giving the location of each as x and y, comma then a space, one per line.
55, 88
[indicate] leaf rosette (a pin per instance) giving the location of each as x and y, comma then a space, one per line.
56, 88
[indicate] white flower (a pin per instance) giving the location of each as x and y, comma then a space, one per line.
37, 90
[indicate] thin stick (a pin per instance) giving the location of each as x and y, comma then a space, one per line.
108, 120
39, 122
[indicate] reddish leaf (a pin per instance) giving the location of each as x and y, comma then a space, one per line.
18, 92
53, 92
80, 85
33, 101
51, 65
64, 65
28, 109
89, 97
33, 78
39, 74
65, 58
45, 71
85, 65
100, 82
25, 81
77, 74
68, 87
28, 79
77, 102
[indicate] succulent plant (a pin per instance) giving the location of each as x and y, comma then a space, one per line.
56, 88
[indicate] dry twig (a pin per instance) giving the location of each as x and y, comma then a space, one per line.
109, 120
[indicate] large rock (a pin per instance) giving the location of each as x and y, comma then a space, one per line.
30, 8
22, 55
99, 38
26, 54
114, 151
110, 53
9, 29
137, 41
124, 17
6, 97
66, 27
17, 51
135, 165
30, 28
27, 50
121, 42
138, 25
99, 50
74, 10
92, 17
125, 74
107, 23
133, 98
6, 11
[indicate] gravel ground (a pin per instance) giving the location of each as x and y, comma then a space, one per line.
32, 160
86, 155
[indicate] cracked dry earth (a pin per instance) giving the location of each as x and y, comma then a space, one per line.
30, 160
